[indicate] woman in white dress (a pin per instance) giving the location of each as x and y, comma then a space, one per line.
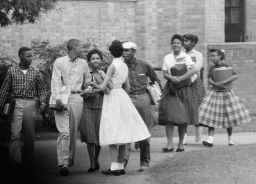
120, 121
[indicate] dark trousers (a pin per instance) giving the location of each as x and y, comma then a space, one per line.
142, 102
144, 152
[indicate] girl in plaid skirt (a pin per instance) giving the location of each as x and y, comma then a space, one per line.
221, 108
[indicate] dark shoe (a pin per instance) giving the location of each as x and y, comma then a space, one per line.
115, 172
64, 171
166, 150
143, 168
205, 143
122, 171
180, 149
97, 166
90, 170
231, 144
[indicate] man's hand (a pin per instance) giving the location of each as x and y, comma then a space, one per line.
59, 105
42, 107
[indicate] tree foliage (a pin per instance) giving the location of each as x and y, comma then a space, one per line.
21, 11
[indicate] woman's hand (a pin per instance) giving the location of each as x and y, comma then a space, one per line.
174, 79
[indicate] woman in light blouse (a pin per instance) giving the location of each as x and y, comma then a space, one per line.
178, 105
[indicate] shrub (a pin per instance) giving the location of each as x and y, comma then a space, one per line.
46, 55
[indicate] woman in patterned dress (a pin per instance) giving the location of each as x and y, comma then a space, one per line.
221, 108
92, 106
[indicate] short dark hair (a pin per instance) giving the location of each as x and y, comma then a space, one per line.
116, 48
94, 51
72, 43
193, 38
177, 36
22, 50
219, 52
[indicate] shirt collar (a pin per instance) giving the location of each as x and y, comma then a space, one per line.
180, 56
18, 68
191, 51
133, 63
69, 59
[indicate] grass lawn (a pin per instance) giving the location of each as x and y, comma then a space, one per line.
228, 165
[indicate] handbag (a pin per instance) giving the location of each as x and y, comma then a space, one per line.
154, 92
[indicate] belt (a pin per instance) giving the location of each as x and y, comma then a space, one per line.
137, 93
75, 92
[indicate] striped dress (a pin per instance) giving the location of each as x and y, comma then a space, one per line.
222, 108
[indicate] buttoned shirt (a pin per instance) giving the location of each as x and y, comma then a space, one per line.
20, 85
139, 72
197, 58
170, 61
69, 73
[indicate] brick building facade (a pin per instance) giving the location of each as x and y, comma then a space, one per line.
149, 23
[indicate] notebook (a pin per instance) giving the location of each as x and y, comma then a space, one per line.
64, 96
221, 74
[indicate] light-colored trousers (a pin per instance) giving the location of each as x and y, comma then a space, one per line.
23, 119
67, 123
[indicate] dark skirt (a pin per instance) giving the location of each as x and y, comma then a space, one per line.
200, 91
178, 105
90, 125
90, 119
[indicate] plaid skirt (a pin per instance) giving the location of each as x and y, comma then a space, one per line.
179, 107
222, 110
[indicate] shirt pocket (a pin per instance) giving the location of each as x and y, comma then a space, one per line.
142, 79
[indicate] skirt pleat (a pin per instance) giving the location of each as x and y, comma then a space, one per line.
222, 109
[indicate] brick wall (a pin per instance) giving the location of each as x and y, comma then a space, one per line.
242, 57
101, 21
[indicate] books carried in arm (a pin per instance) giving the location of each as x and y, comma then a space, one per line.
221, 74
64, 96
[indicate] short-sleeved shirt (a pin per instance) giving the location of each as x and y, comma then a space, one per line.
197, 58
138, 73
170, 60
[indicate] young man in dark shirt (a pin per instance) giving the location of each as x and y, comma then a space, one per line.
139, 72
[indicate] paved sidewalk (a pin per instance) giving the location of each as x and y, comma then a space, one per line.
47, 171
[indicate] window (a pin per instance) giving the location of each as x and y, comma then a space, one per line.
234, 20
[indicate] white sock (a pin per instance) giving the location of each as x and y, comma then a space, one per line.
230, 140
121, 166
185, 139
210, 139
114, 166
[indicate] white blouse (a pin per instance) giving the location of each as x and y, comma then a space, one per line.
170, 60
197, 58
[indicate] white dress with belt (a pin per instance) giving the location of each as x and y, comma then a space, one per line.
120, 121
